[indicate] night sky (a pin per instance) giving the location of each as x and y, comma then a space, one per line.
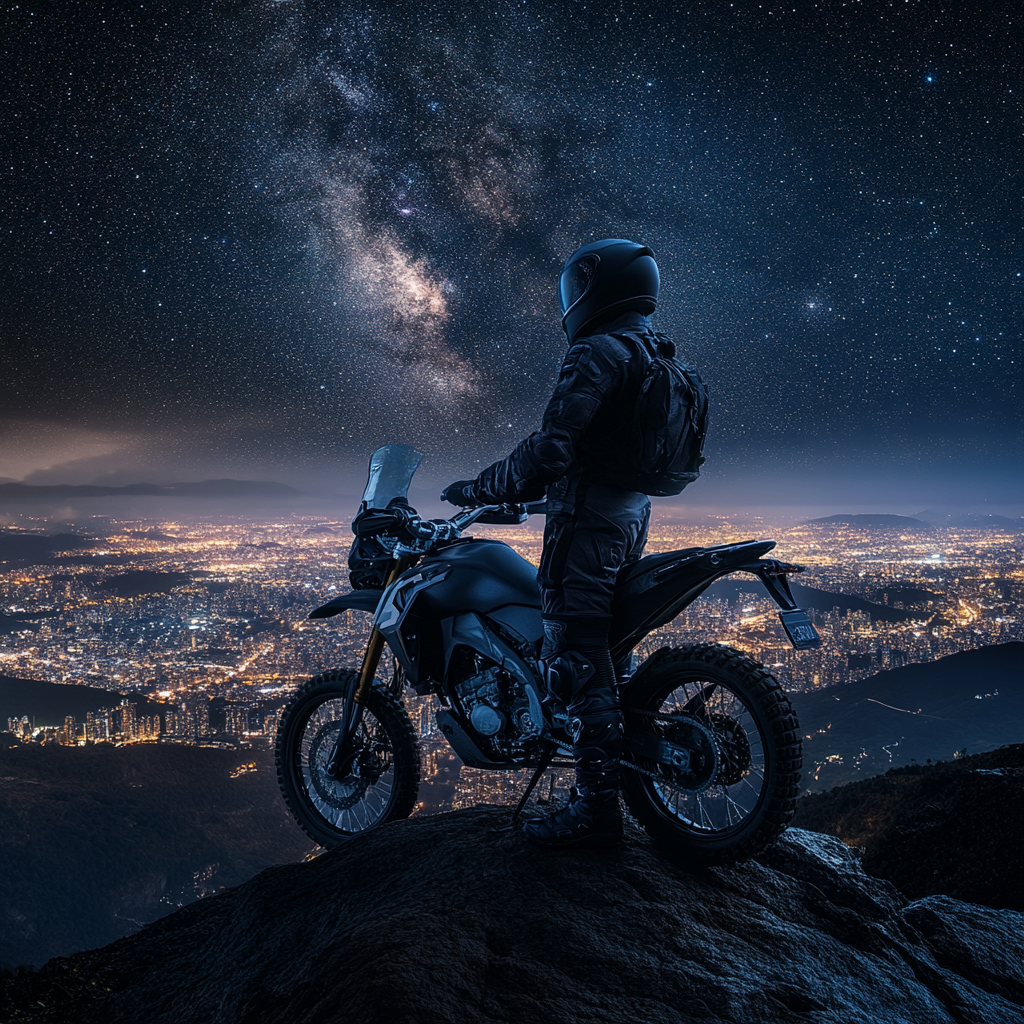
260, 239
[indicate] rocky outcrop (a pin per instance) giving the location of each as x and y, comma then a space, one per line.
449, 918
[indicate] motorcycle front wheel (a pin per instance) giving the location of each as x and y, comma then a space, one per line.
738, 792
384, 777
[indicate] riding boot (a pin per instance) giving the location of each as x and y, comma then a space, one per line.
583, 679
591, 819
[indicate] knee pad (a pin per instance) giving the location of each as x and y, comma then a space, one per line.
554, 638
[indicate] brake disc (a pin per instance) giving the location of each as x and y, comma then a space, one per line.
733, 748
338, 793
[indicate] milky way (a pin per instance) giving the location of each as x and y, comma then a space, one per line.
271, 236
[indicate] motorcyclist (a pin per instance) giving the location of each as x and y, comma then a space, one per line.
607, 289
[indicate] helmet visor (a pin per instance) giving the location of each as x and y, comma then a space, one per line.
575, 281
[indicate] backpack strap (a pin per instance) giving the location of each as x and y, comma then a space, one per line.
647, 342
665, 345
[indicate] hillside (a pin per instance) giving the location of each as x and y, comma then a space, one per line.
16, 546
49, 703
877, 521
96, 841
448, 918
972, 700
956, 827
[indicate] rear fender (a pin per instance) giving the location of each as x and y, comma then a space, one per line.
655, 590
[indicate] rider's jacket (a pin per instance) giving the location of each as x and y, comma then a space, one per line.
590, 406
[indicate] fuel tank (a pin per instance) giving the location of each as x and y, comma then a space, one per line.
483, 575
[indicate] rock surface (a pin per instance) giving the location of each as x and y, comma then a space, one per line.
447, 918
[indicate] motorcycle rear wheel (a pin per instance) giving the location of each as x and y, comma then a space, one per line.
731, 812
385, 775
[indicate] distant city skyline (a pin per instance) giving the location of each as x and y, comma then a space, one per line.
205, 624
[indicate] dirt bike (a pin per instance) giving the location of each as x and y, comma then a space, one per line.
712, 755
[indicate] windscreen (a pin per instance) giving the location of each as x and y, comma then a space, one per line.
391, 471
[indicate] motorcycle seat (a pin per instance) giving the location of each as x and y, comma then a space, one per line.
655, 568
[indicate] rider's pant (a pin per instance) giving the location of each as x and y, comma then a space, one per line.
592, 531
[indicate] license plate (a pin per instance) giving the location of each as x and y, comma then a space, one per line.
799, 629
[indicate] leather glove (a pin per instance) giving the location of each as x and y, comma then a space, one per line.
460, 493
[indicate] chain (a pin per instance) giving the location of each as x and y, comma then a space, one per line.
642, 771
657, 778
675, 719
636, 767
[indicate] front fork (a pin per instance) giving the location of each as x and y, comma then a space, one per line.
344, 752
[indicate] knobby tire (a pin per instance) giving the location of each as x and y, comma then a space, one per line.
779, 733
401, 737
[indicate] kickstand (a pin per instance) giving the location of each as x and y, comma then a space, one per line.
541, 769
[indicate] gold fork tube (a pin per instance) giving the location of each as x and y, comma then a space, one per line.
375, 648
371, 659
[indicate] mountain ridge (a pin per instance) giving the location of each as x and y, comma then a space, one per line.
880, 520
224, 488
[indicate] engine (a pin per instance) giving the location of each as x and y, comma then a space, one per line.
500, 709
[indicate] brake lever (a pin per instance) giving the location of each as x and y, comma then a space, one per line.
470, 515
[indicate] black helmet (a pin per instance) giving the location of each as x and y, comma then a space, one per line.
604, 278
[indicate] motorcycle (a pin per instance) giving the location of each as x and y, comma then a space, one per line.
711, 756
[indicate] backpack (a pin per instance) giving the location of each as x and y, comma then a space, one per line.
662, 446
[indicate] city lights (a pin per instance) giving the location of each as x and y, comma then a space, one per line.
217, 656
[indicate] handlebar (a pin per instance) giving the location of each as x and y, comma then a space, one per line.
471, 515
500, 515
416, 535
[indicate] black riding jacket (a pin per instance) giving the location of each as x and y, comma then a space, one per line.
590, 406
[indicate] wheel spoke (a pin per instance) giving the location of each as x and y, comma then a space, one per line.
741, 754
361, 799
704, 820
730, 803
